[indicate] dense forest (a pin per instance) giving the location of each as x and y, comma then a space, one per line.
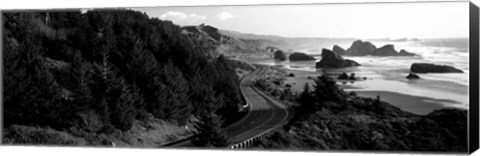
99, 72
328, 118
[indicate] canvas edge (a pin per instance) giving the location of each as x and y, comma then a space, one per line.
473, 134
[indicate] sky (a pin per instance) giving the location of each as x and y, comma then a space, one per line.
372, 20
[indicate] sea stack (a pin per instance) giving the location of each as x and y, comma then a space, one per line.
405, 53
279, 55
339, 50
332, 60
386, 50
433, 68
360, 48
300, 57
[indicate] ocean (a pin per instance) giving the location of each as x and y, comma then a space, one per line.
388, 73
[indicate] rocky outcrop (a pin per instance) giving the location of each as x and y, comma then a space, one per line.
343, 76
300, 57
279, 55
433, 68
387, 50
405, 53
412, 76
332, 60
360, 48
339, 50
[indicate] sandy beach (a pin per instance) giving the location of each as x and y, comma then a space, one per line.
414, 104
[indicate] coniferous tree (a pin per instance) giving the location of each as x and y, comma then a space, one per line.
307, 102
203, 95
175, 105
112, 64
122, 106
103, 76
325, 89
227, 85
142, 65
80, 77
139, 103
209, 132
143, 71
306, 98
30, 90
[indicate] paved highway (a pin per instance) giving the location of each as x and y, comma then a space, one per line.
264, 113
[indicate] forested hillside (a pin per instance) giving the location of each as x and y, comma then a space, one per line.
85, 75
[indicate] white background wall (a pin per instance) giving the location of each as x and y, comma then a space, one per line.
48, 4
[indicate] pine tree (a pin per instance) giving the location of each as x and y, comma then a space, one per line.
123, 65
139, 103
122, 106
31, 93
306, 98
103, 79
80, 80
142, 66
209, 132
143, 71
176, 105
325, 89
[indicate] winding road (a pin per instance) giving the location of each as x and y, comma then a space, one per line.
264, 114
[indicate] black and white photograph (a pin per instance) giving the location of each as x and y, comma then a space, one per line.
338, 77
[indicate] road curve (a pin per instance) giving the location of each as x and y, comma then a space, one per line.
264, 114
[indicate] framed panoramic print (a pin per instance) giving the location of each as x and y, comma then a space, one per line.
323, 77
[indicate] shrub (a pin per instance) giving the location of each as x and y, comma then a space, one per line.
89, 121
17, 134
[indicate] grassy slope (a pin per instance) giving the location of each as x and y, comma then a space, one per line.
152, 133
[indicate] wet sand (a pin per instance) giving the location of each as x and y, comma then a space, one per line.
414, 104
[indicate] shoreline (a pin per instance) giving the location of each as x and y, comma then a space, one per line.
416, 104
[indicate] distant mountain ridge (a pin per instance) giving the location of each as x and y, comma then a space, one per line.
289, 43
251, 36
